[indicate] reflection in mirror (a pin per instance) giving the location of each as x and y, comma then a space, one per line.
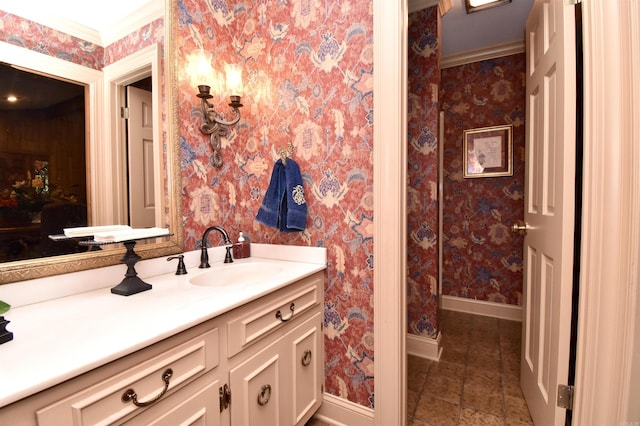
103, 161
42, 163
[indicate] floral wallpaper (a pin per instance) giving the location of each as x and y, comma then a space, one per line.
422, 175
40, 38
308, 79
37, 37
482, 257
148, 34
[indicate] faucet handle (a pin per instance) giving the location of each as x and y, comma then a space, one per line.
182, 270
228, 258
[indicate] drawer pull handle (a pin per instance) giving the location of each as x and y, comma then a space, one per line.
130, 394
306, 358
265, 395
279, 314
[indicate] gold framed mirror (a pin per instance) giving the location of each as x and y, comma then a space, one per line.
55, 265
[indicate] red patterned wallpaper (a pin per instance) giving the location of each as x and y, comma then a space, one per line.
37, 37
422, 175
150, 33
482, 257
308, 77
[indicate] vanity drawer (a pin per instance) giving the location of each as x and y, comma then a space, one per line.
102, 403
258, 319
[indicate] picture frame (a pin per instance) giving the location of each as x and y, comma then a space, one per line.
488, 152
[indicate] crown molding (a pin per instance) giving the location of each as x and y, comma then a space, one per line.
491, 52
140, 17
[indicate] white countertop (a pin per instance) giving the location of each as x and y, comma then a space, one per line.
60, 338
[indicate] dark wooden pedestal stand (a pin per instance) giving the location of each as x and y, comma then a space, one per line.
132, 283
5, 335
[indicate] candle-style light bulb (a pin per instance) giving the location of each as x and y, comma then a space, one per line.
234, 80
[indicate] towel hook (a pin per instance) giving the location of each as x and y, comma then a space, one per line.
286, 153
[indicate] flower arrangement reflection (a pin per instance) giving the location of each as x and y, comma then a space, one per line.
22, 201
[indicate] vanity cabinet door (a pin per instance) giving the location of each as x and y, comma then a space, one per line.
306, 380
256, 392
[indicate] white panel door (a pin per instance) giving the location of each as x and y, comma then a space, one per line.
142, 204
549, 206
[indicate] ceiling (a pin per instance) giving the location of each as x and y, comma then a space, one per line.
462, 32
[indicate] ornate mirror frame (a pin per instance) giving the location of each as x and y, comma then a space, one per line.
43, 267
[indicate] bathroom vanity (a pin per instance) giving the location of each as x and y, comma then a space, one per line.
237, 344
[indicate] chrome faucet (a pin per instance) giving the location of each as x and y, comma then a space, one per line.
204, 255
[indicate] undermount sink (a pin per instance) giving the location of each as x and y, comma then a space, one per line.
237, 274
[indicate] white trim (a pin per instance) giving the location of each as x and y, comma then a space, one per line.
341, 412
483, 54
481, 307
416, 5
425, 347
390, 224
137, 19
611, 206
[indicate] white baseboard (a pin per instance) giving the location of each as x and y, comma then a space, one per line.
480, 307
424, 347
341, 412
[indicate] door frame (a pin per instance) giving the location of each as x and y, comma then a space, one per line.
607, 334
390, 210
607, 330
139, 65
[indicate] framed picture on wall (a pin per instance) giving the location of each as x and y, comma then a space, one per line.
488, 152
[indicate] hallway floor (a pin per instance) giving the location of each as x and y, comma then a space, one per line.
476, 381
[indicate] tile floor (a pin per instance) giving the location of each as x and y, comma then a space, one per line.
477, 380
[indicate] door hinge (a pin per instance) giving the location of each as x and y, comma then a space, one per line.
565, 397
124, 113
225, 397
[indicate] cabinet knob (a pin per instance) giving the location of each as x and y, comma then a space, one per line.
265, 395
306, 358
130, 394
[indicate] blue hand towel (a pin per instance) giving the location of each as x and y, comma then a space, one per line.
284, 206
296, 208
270, 209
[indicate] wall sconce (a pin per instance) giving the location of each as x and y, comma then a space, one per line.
214, 121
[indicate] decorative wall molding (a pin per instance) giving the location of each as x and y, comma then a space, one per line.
480, 307
425, 347
139, 18
341, 412
497, 51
